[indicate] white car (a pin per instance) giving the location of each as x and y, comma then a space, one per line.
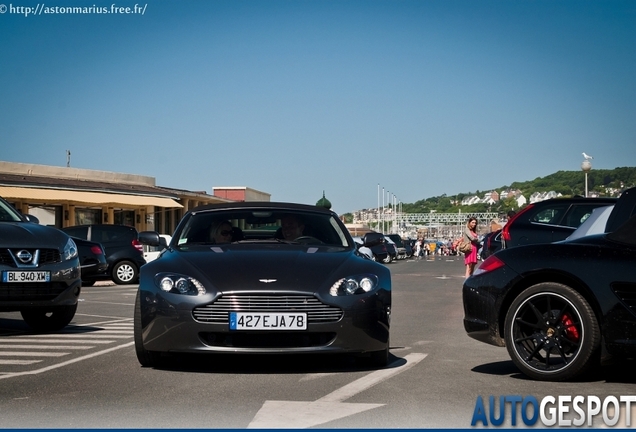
364, 251
151, 253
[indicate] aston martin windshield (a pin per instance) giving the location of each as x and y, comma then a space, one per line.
260, 225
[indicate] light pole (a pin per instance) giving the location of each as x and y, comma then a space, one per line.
586, 166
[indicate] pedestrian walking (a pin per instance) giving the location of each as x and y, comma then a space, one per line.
470, 234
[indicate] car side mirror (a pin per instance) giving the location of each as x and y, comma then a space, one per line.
31, 218
151, 238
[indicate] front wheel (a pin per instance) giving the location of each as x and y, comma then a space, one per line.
551, 333
49, 319
387, 259
125, 272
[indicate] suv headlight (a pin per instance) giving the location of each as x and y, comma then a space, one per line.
70, 250
179, 284
358, 284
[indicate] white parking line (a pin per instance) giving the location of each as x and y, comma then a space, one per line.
68, 341
19, 362
370, 380
66, 363
53, 347
31, 354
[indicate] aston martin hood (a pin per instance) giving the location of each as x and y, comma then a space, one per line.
304, 268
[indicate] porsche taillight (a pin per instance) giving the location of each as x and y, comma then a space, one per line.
491, 263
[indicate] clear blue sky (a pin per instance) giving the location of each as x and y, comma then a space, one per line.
422, 97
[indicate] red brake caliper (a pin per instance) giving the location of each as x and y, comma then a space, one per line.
570, 330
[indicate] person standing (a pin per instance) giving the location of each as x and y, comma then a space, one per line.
470, 234
418, 248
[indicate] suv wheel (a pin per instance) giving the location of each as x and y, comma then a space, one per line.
50, 319
125, 272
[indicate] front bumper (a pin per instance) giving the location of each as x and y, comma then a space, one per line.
168, 325
63, 289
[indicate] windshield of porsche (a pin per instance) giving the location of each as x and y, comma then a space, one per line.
253, 226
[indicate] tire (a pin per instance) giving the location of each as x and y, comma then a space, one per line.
125, 272
49, 319
146, 358
387, 260
551, 333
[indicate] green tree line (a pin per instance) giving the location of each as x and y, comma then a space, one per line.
567, 183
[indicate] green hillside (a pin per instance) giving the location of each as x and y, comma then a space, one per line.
567, 183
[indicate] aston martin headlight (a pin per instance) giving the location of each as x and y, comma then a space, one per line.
179, 284
70, 250
358, 284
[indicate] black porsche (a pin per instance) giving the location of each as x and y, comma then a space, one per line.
557, 307
261, 277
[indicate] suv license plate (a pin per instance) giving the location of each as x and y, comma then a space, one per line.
268, 321
26, 276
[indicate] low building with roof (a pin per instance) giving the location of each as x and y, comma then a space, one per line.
65, 196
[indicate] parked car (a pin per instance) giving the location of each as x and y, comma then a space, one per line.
151, 253
363, 250
595, 224
377, 244
92, 260
399, 244
550, 220
391, 248
124, 252
261, 294
40, 271
556, 306
490, 244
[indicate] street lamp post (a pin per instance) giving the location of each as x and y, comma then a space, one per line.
586, 166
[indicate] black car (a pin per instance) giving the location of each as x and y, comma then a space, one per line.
391, 248
124, 252
39, 269
399, 243
550, 220
490, 244
377, 244
556, 306
92, 260
258, 293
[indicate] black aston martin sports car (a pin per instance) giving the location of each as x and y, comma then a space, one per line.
261, 277
557, 307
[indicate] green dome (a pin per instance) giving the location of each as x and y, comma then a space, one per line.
324, 202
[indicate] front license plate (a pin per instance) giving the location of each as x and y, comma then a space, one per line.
268, 321
26, 276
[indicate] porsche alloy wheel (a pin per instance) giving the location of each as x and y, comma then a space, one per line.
552, 333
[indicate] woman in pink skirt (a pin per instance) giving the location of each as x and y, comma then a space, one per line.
470, 234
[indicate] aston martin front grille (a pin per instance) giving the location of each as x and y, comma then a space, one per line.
218, 312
